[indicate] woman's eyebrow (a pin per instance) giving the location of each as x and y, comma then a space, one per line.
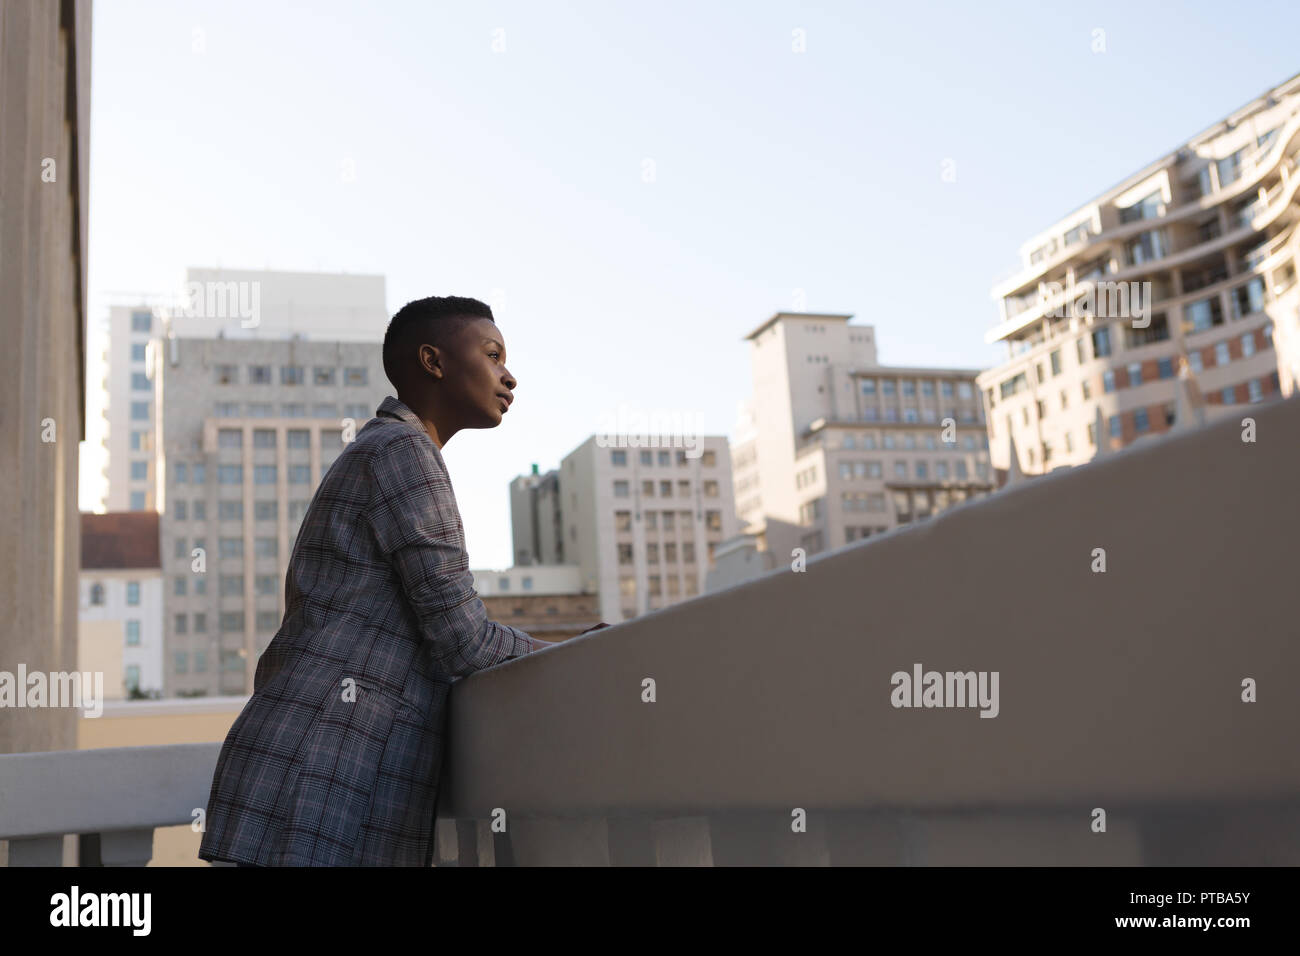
488, 340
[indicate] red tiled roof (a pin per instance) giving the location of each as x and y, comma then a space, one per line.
119, 539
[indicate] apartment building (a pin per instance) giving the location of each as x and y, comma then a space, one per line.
126, 435
243, 304
247, 430
641, 523
256, 381
1188, 265
834, 447
120, 617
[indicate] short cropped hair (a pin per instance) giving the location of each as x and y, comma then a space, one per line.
431, 321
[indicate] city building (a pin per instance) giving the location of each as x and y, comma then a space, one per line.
834, 447
248, 421
126, 431
547, 601
1189, 263
212, 303
120, 631
641, 523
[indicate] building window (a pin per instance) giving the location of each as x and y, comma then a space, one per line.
887, 386
140, 411
1101, 343
230, 510
226, 374
1248, 345
1165, 368
141, 321
1194, 361
137, 501
300, 474
230, 547
178, 586
1141, 423
618, 458
665, 489
1108, 380
291, 374
137, 351
356, 375
1146, 247
1203, 314
1229, 395
1135, 374
139, 470
181, 623
1116, 427
1256, 390
620, 489
259, 375
264, 474
713, 519
1221, 354
622, 521
133, 632
266, 547
652, 553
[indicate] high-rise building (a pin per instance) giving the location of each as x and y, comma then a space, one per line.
241, 304
1188, 264
641, 522
834, 447
251, 407
127, 404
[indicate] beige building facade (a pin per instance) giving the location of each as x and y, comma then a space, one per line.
834, 447
1186, 267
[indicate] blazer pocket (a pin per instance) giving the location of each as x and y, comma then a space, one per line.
337, 775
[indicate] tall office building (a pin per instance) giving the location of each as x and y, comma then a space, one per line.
213, 303
248, 418
1188, 263
125, 430
834, 447
642, 524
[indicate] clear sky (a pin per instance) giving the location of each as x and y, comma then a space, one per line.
220, 133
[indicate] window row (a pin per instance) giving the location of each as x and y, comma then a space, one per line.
652, 551
358, 412
708, 488
325, 375
663, 459
907, 440
909, 387
232, 509
923, 470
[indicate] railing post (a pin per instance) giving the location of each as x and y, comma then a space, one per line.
126, 847
557, 841
36, 851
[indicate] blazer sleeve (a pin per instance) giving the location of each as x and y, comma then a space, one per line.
417, 526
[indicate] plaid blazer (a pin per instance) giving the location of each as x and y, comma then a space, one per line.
335, 758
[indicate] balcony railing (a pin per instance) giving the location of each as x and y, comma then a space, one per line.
773, 737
